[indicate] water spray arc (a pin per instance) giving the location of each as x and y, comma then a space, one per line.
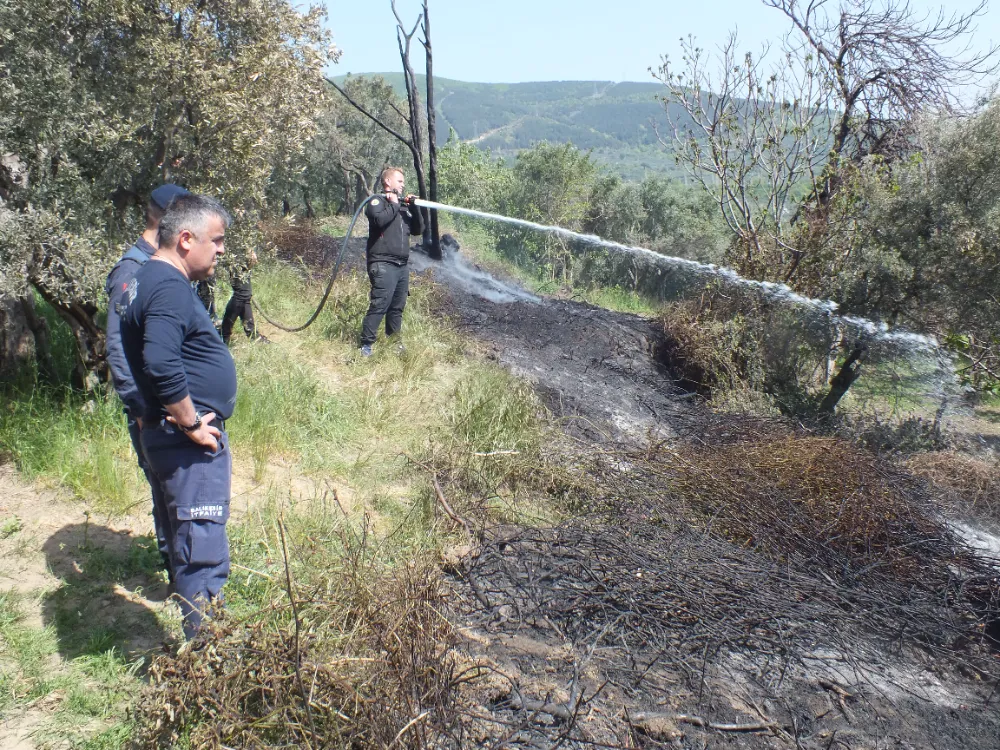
824, 309
778, 292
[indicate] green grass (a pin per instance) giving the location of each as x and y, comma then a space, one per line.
75, 442
310, 408
620, 300
283, 409
94, 687
901, 388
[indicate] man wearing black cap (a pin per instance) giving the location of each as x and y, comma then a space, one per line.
118, 280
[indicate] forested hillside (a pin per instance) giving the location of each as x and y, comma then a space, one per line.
614, 119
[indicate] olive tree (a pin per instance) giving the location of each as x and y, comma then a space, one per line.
103, 100
341, 165
552, 184
770, 140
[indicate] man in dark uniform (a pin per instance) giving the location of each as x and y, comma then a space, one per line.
123, 272
187, 380
390, 225
239, 305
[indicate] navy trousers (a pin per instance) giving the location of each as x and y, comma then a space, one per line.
196, 485
159, 507
390, 287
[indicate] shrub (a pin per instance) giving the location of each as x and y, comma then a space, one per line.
965, 483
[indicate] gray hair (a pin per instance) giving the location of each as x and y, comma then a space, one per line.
189, 212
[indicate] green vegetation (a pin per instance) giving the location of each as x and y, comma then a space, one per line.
82, 444
361, 440
563, 186
220, 96
92, 688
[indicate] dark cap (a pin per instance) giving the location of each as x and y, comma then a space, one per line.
166, 193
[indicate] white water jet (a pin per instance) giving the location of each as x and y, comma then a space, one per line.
778, 292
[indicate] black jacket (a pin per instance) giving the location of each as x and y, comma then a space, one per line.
389, 228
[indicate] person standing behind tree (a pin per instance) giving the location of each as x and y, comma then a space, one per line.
206, 293
121, 376
240, 306
187, 380
390, 225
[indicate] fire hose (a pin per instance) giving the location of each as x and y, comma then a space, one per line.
329, 286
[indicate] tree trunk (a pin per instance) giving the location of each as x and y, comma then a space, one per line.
843, 380
17, 342
360, 193
90, 368
434, 246
416, 114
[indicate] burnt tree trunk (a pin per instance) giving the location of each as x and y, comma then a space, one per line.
843, 380
434, 246
404, 40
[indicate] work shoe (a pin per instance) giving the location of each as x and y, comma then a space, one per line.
366, 350
261, 339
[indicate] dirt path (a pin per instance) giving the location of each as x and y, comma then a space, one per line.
84, 583
75, 575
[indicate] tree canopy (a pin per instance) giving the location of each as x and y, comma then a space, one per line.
101, 101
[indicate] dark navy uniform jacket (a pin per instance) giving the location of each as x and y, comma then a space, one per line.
171, 345
389, 228
123, 272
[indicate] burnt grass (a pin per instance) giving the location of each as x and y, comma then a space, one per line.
720, 581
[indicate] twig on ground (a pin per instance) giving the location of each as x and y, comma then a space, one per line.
295, 614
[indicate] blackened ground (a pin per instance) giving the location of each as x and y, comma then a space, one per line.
595, 369
617, 630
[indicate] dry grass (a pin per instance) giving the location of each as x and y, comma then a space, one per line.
709, 354
964, 483
816, 498
757, 541
371, 667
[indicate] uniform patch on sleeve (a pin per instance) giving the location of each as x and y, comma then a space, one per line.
375, 202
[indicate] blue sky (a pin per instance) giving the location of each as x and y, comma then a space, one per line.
544, 40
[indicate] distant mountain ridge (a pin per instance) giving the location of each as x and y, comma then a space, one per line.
611, 119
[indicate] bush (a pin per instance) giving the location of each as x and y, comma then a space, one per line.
361, 653
962, 482
711, 355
